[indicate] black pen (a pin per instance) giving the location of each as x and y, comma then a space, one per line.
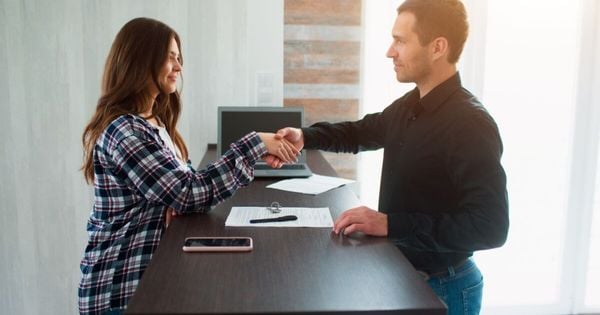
278, 219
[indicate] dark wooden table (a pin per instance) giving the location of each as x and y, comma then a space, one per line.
290, 270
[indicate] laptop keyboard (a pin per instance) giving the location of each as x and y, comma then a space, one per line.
284, 167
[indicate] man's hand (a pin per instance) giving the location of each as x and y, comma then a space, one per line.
294, 136
361, 219
280, 148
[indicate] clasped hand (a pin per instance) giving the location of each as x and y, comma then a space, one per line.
292, 136
279, 148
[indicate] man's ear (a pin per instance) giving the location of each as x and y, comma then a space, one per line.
439, 48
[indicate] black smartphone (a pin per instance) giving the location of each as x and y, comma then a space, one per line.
217, 244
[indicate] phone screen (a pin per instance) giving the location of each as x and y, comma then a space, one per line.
217, 242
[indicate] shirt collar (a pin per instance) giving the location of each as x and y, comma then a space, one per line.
440, 93
148, 124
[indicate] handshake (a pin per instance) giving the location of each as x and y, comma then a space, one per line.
283, 146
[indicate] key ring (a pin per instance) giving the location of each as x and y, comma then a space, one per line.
275, 207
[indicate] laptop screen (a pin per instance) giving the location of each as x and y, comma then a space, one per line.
235, 122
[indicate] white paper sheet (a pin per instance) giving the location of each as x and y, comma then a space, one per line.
307, 217
312, 185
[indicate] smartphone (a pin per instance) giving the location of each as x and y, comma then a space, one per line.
217, 244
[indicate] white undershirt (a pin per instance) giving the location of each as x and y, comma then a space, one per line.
164, 135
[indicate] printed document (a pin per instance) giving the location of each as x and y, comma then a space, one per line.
312, 185
307, 217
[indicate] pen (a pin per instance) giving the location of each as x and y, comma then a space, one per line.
278, 219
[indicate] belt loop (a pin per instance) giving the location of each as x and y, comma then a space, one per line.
451, 271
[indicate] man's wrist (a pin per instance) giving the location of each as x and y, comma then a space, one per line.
306, 135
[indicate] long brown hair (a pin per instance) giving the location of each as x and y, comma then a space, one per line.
139, 51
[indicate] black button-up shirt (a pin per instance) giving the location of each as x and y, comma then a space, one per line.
442, 184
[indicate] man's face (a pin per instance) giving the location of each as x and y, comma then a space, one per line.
412, 62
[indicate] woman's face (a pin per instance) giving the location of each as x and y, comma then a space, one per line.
167, 78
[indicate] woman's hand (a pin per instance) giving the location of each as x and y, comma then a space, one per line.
170, 213
281, 148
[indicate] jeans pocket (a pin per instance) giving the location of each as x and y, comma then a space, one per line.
472, 298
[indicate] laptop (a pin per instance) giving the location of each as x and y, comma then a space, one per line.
235, 122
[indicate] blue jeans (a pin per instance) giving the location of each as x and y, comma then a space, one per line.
461, 289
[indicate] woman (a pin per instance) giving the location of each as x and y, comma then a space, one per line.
139, 164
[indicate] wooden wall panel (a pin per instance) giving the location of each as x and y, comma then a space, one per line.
322, 43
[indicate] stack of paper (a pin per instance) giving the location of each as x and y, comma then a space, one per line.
312, 185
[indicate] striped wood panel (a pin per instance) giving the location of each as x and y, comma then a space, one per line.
322, 40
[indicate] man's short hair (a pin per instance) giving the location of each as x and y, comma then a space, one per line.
440, 18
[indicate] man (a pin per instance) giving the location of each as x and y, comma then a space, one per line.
443, 190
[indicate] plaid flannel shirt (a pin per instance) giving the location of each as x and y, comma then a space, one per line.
136, 178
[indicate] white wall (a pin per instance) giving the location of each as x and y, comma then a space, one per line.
51, 59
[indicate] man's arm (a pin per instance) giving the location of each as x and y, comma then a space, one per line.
365, 134
348, 137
